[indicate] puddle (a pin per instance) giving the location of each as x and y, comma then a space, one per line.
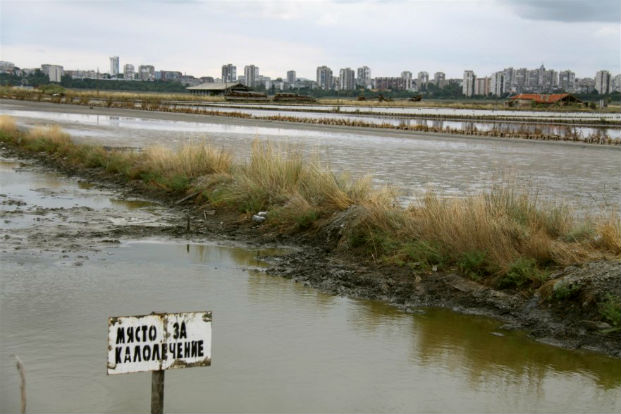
277, 346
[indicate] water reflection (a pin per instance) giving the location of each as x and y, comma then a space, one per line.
467, 343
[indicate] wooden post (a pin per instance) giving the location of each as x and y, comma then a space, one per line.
22, 384
157, 392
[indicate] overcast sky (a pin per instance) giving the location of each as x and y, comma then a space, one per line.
199, 36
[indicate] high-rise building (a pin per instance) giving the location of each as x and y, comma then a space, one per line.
128, 71
347, 79
616, 84
324, 77
406, 75
519, 79
567, 80
422, 80
467, 87
291, 77
508, 75
602, 82
53, 72
229, 73
482, 86
497, 84
364, 77
439, 79
532, 79
114, 65
251, 75
146, 72
550, 80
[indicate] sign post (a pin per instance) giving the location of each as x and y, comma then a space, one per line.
158, 342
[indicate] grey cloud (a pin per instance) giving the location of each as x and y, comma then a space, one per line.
568, 10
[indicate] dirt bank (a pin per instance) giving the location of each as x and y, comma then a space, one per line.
565, 312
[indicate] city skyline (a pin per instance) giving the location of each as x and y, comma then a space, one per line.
390, 37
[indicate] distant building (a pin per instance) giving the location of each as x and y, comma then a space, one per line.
602, 82
363, 77
468, 83
422, 80
170, 75
393, 84
528, 99
229, 73
497, 83
129, 72
585, 85
82, 74
406, 75
532, 80
291, 77
347, 79
251, 75
146, 72
567, 80
550, 80
324, 77
482, 86
508, 75
616, 83
114, 66
53, 72
519, 80
218, 88
6, 67
439, 79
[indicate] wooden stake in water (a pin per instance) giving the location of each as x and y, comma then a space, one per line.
157, 392
22, 384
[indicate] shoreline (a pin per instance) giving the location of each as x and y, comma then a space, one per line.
220, 120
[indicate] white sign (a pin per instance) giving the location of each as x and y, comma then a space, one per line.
158, 342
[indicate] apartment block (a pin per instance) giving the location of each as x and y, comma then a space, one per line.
229, 73
114, 66
324, 77
53, 72
468, 83
129, 72
347, 79
251, 75
602, 82
407, 79
363, 77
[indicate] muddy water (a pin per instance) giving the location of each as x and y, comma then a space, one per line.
277, 346
588, 177
545, 126
433, 111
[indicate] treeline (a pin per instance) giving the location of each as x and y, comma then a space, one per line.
38, 78
119, 85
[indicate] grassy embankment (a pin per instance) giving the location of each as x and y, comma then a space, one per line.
503, 237
496, 105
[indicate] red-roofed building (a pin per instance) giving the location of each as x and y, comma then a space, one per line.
528, 99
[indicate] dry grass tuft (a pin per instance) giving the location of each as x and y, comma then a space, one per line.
7, 124
189, 160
